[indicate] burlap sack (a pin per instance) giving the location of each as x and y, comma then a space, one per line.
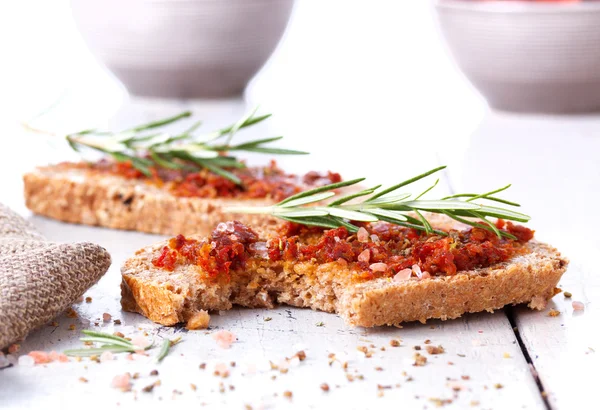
40, 279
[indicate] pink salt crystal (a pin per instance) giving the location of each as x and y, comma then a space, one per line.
106, 356
106, 317
26, 360
40, 357
129, 356
362, 235
224, 338
404, 274
417, 270
140, 342
378, 267
62, 358
122, 381
425, 275
375, 238
53, 356
578, 305
221, 368
364, 256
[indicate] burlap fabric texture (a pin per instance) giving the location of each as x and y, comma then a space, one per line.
40, 279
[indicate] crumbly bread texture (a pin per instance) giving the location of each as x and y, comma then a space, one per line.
169, 298
76, 195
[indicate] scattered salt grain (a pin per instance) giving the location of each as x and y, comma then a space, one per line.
417, 270
375, 238
404, 274
106, 356
140, 342
58, 357
378, 267
122, 381
26, 360
40, 357
224, 338
578, 306
362, 235
364, 256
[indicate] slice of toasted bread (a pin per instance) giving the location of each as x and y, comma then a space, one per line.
72, 193
169, 297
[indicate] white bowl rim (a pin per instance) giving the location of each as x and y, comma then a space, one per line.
491, 6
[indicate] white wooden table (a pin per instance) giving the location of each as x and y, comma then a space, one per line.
388, 126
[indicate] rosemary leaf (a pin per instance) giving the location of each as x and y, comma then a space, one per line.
324, 188
489, 193
160, 123
350, 197
97, 350
164, 350
489, 198
105, 340
93, 333
308, 199
407, 182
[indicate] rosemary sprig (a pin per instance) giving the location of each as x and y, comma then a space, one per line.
145, 146
107, 342
386, 205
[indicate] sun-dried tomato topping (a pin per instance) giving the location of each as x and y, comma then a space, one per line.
226, 249
257, 182
378, 250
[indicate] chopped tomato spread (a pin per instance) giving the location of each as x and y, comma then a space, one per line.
378, 250
257, 182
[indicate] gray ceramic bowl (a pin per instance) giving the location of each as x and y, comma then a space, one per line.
182, 48
527, 57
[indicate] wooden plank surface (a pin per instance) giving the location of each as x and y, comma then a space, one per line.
553, 165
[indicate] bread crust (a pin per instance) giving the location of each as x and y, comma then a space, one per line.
169, 297
76, 195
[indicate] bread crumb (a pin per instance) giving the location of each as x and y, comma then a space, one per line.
88, 299
106, 317
420, 360
553, 313
83, 380
506, 355
394, 342
498, 386
154, 373
267, 319
193, 387
325, 387
320, 324
71, 327
287, 394
568, 295
435, 349
198, 320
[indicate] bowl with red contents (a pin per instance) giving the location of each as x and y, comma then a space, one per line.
538, 56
